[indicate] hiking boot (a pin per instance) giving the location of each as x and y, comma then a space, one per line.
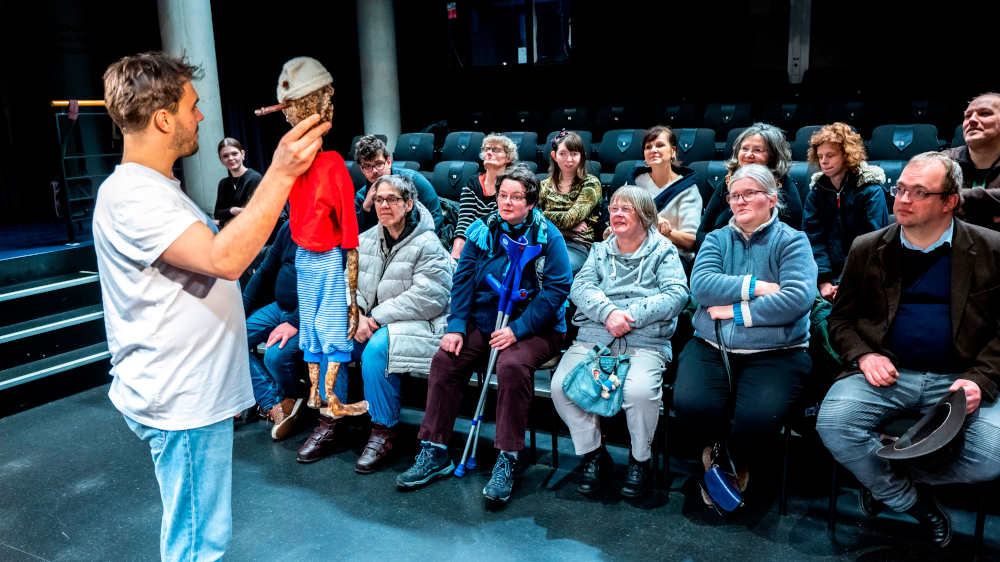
283, 416
635, 478
594, 468
378, 448
432, 462
322, 442
933, 520
502, 480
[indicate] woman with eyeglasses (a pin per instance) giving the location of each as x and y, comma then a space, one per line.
404, 284
533, 335
633, 287
846, 199
479, 196
237, 187
569, 196
761, 144
755, 282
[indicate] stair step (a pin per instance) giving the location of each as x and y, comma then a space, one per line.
53, 365
50, 323
47, 284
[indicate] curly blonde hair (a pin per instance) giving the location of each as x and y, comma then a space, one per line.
850, 143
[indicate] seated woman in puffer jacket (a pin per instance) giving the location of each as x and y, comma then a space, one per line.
404, 286
754, 282
631, 286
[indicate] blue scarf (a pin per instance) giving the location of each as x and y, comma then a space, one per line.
485, 232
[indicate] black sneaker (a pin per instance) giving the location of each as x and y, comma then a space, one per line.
502, 480
594, 468
635, 478
432, 462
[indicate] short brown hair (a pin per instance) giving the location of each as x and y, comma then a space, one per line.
137, 86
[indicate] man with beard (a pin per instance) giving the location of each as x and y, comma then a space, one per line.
173, 312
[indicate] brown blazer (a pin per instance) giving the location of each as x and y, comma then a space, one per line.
869, 293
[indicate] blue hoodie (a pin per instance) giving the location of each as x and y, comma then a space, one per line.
474, 302
726, 270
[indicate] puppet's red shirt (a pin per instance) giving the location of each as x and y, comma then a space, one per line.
322, 206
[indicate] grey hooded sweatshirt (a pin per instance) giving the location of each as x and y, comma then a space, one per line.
649, 284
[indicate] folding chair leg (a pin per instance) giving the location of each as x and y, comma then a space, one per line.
783, 502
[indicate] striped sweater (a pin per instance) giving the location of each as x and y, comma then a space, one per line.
473, 204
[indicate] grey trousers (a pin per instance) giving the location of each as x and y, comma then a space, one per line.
642, 395
853, 408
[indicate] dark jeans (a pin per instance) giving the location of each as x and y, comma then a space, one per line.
514, 371
766, 384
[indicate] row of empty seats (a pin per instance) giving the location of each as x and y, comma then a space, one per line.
720, 117
416, 150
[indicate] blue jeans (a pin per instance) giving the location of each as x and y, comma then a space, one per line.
381, 388
194, 469
274, 377
853, 408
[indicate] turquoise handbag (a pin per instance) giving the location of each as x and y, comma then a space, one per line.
595, 384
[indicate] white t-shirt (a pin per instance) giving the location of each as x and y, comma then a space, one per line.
177, 339
683, 211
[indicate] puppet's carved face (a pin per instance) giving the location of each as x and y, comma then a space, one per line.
319, 101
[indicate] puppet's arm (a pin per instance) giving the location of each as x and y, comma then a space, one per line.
352, 288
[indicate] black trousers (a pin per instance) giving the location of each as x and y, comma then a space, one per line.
766, 387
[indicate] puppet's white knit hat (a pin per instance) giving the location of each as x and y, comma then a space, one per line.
301, 76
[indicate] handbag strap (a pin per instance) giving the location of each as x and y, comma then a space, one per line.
723, 447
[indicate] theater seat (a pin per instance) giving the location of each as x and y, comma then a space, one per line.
623, 173
675, 115
800, 144
959, 138
695, 144
730, 139
902, 142
408, 164
619, 145
462, 145
450, 175
721, 117
851, 112
710, 175
615, 117
527, 144
569, 118
892, 169
418, 147
357, 178
789, 116
801, 173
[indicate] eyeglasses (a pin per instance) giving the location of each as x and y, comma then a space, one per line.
373, 166
916, 194
513, 197
391, 200
493, 149
755, 150
625, 209
748, 195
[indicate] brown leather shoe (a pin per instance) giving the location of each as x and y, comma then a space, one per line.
322, 442
283, 416
378, 448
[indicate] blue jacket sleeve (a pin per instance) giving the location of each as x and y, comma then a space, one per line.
792, 213
557, 277
812, 224
463, 287
429, 198
876, 211
710, 284
797, 278
291, 317
366, 219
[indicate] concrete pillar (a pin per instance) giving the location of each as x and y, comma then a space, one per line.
186, 29
379, 78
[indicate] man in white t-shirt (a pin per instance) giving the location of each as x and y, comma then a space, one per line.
173, 311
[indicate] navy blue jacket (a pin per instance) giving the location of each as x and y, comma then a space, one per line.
833, 220
275, 280
474, 303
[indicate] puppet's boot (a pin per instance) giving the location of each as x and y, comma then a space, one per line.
314, 400
334, 406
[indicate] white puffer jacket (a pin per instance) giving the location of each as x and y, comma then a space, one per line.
407, 289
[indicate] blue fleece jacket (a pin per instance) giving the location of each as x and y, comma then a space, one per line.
726, 271
474, 303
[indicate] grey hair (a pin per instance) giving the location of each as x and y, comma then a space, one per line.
985, 95
508, 146
764, 178
641, 201
403, 184
953, 172
778, 150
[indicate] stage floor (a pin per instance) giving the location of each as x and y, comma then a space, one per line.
76, 484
